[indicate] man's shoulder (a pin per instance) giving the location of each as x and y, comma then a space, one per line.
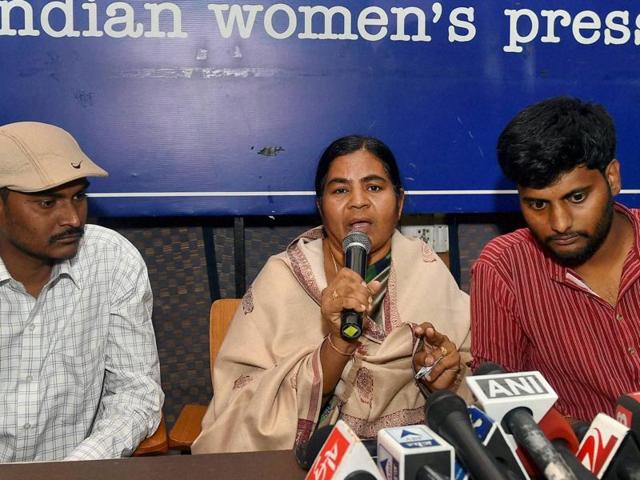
635, 212
509, 247
106, 241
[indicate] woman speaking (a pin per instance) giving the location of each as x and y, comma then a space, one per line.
285, 368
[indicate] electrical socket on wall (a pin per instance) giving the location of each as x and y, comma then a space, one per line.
436, 236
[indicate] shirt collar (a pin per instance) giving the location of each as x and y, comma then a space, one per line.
4, 273
66, 268
59, 269
635, 223
558, 272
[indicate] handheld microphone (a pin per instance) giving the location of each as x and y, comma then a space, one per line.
628, 413
341, 455
428, 473
497, 391
580, 428
503, 397
356, 246
307, 452
555, 427
360, 475
608, 448
629, 470
414, 452
493, 437
563, 437
446, 414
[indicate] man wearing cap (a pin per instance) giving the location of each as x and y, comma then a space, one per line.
79, 370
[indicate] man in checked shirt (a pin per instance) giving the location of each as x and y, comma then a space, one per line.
563, 295
79, 371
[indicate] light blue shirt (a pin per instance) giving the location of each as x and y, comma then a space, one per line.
79, 370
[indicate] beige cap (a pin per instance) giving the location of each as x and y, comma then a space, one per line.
37, 156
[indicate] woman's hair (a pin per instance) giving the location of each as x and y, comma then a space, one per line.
553, 137
351, 144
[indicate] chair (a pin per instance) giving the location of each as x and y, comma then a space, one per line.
189, 422
156, 444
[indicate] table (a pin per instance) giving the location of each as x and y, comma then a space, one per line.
280, 465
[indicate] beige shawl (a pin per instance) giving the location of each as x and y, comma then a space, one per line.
268, 378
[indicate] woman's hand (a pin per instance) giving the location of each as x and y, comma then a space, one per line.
437, 349
346, 291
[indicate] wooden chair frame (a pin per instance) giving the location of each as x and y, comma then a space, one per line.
189, 422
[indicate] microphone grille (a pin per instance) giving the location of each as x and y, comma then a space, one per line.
439, 405
356, 237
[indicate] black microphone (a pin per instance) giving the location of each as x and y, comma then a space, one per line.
360, 475
608, 450
628, 413
356, 246
579, 470
555, 428
307, 452
580, 428
629, 470
512, 399
428, 473
446, 413
520, 423
341, 455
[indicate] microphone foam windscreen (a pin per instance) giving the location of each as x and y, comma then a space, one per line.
580, 428
439, 405
556, 427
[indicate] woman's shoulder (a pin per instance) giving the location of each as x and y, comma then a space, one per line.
407, 250
300, 262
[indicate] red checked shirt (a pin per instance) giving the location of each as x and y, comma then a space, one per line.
530, 313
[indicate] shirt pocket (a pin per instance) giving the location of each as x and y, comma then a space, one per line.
74, 381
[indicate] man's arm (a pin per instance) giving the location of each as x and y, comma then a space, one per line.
496, 333
130, 408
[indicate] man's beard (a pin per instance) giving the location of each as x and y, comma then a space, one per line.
594, 241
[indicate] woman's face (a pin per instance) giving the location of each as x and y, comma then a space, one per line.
359, 195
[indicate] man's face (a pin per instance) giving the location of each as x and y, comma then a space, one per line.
572, 217
45, 226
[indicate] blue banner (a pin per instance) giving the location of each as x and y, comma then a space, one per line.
199, 108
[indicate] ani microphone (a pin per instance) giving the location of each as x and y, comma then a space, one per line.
555, 427
518, 401
356, 246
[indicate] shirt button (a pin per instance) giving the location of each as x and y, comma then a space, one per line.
632, 351
29, 378
619, 317
26, 426
32, 327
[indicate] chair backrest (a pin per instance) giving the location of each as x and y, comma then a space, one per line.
220, 316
